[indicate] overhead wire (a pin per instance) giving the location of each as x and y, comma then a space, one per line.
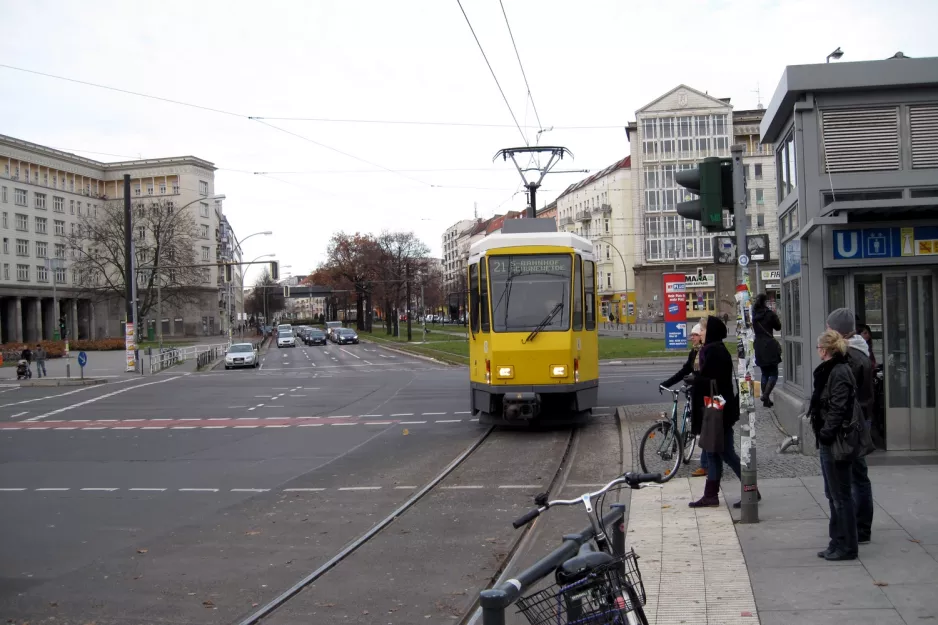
521, 65
498, 84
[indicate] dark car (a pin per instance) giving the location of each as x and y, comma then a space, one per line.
344, 336
315, 337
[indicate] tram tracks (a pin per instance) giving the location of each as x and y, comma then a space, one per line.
455, 538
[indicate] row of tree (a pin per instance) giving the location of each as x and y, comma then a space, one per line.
389, 272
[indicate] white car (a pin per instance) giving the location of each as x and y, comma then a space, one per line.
286, 339
241, 355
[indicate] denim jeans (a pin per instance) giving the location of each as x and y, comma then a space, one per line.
41, 368
862, 492
838, 482
729, 456
703, 459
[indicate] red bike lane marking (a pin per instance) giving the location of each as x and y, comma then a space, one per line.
216, 422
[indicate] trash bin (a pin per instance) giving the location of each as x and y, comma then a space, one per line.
151, 333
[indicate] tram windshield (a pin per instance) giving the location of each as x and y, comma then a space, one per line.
527, 289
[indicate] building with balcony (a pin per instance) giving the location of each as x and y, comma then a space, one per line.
548, 212
45, 194
671, 134
600, 208
454, 260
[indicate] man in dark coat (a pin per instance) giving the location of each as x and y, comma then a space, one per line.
843, 321
768, 352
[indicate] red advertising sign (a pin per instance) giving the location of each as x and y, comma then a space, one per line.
675, 303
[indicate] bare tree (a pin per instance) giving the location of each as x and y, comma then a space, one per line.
266, 297
402, 253
163, 236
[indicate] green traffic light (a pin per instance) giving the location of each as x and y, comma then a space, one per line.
712, 181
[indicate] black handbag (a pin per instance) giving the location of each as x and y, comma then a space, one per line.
854, 439
711, 429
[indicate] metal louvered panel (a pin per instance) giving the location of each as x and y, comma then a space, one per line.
924, 122
861, 140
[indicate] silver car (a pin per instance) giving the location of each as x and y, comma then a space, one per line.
241, 355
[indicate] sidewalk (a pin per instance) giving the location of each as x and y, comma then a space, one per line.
895, 580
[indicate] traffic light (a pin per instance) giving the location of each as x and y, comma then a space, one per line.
229, 272
63, 328
712, 181
274, 270
286, 290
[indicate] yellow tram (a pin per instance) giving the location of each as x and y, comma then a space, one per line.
533, 340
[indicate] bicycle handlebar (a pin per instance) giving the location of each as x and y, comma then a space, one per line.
634, 481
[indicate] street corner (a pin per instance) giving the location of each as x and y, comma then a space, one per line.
51, 382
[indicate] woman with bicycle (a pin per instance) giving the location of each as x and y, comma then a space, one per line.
716, 369
686, 373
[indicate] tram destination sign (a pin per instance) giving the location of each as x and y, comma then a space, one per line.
521, 265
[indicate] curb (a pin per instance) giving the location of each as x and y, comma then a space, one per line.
407, 353
63, 382
625, 362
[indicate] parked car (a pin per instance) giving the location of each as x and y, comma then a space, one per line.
315, 337
286, 339
344, 336
241, 355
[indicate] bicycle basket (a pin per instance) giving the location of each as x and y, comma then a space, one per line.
598, 599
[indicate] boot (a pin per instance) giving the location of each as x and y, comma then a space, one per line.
710, 497
767, 394
739, 504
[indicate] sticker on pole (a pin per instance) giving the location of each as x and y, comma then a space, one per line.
743, 260
82, 359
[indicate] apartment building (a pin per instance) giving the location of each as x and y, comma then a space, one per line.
673, 133
600, 209
454, 262
548, 212
44, 196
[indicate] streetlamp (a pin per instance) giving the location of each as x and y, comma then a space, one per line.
265, 288
159, 276
625, 270
238, 245
836, 54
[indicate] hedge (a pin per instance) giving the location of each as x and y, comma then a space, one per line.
56, 349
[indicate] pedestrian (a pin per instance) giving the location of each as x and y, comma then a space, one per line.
687, 373
832, 404
716, 366
41, 356
867, 334
768, 351
858, 358
27, 355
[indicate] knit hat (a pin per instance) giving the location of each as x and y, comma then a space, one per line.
842, 322
696, 330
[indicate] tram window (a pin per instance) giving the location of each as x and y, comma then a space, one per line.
589, 287
577, 293
484, 296
474, 297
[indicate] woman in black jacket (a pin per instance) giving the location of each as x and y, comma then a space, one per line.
768, 351
831, 406
687, 373
716, 365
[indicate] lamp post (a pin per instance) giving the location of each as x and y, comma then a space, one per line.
238, 245
836, 54
625, 270
159, 276
265, 289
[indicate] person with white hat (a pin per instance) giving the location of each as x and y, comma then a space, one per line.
690, 367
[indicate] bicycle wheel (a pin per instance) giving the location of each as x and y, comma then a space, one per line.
690, 441
638, 611
659, 451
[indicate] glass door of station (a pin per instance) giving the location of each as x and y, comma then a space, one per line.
900, 308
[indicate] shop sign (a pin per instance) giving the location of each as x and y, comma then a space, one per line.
771, 274
880, 243
675, 311
705, 281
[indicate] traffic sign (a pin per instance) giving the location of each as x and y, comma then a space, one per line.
743, 260
82, 359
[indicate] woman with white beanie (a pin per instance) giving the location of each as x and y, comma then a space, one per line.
692, 366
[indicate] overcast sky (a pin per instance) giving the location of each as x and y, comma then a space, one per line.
588, 63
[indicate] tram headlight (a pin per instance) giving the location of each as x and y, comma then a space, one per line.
558, 371
506, 372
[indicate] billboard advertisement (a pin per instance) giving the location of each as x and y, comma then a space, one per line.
675, 311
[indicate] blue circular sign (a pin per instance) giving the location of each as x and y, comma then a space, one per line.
673, 309
82, 359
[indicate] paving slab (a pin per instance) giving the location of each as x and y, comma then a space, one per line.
831, 617
916, 603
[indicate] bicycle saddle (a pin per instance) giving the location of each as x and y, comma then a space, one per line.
579, 566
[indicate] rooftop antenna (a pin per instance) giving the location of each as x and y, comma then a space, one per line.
758, 93
556, 154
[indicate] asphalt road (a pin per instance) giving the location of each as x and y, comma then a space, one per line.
189, 498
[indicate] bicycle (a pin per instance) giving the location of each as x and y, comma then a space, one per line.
668, 436
596, 586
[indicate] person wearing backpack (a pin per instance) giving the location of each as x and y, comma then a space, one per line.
843, 322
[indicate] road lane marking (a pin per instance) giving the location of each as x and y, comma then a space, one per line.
310, 425
297, 395
107, 490
411, 422
366, 416
350, 353
405, 488
344, 424
463, 412
51, 489
198, 490
151, 427
431, 414
183, 427
250, 490
100, 397
447, 420
148, 490
472, 487
520, 486
403, 414
244, 427
125, 427
11, 490
360, 488
276, 426
303, 490
19, 414
379, 423
214, 427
